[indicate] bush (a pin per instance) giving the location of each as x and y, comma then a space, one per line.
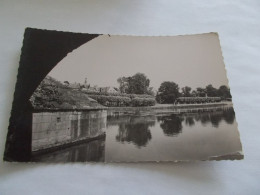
111, 100
118, 94
143, 101
123, 101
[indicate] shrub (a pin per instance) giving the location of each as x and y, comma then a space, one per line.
123, 101
111, 100
118, 94
143, 101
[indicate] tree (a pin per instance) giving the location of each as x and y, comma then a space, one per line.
136, 84
224, 92
168, 92
194, 93
186, 91
201, 92
150, 91
211, 91
123, 84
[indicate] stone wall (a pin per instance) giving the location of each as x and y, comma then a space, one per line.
51, 129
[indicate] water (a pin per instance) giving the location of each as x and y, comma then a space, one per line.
158, 137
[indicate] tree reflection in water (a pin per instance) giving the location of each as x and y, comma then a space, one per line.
171, 125
204, 118
136, 131
189, 120
229, 116
214, 118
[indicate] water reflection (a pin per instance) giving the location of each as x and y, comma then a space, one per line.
171, 124
153, 137
214, 118
92, 151
189, 121
133, 129
168, 136
229, 116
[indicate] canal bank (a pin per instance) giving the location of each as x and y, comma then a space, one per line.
54, 130
157, 137
169, 108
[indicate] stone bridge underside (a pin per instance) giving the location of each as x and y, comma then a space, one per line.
41, 52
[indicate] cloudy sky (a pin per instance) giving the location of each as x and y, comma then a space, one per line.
190, 60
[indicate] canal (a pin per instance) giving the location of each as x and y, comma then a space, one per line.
148, 136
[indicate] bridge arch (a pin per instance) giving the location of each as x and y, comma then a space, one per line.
42, 50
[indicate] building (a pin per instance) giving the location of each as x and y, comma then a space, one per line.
108, 90
74, 85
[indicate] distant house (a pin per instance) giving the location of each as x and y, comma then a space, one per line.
74, 85
91, 89
95, 89
108, 90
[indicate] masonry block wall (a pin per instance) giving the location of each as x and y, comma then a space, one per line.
50, 129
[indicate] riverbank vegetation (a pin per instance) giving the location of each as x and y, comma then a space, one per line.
133, 91
133, 100
51, 94
169, 91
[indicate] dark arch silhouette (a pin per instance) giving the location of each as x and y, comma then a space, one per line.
41, 52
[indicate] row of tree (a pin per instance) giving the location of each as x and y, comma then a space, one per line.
168, 91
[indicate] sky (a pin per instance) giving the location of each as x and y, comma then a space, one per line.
188, 60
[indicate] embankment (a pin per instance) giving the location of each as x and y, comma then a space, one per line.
169, 108
54, 130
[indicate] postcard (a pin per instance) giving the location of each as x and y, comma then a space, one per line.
119, 98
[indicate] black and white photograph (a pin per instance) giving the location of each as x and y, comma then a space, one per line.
130, 97
119, 98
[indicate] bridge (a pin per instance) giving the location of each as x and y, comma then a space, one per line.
42, 51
